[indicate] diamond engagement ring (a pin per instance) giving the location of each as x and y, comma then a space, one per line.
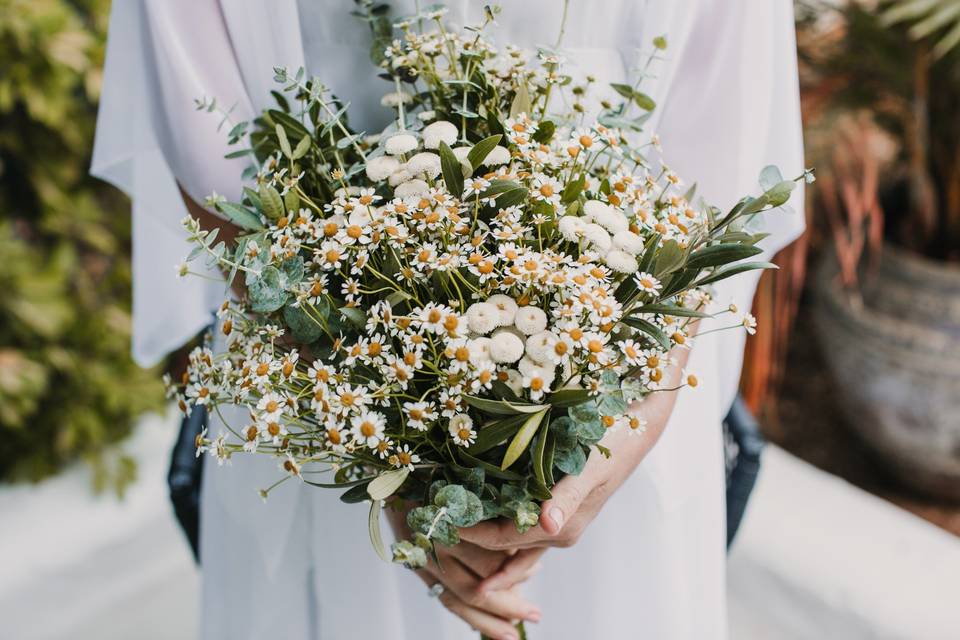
436, 590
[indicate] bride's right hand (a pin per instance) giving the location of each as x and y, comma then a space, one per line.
462, 569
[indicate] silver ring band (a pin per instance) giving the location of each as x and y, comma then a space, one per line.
436, 590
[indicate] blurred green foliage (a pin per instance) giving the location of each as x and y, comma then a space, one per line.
68, 388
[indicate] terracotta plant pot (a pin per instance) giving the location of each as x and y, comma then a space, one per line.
894, 352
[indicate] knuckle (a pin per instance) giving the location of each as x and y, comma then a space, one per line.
473, 598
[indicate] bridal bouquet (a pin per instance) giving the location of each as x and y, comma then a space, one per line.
454, 311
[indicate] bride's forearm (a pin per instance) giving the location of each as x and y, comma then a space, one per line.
654, 411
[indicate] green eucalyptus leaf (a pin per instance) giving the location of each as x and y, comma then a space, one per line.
266, 293
545, 131
780, 193
355, 316
770, 176
564, 431
571, 461
304, 328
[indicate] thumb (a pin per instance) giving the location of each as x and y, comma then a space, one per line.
568, 494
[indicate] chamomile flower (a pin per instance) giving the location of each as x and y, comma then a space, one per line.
419, 414
367, 428
404, 458
646, 282
461, 430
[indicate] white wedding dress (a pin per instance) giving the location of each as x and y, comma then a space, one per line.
651, 565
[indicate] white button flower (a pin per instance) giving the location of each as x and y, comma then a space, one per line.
530, 320
505, 347
400, 143
381, 168
424, 164
437, 132
483, 317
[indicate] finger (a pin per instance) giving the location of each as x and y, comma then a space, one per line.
568, 494
481, 621
516, 570
509, 605
490, 534
483, 562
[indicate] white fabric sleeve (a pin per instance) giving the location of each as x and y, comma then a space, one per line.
161, 55
733, 107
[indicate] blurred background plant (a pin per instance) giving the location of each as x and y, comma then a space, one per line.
898, 60
68, 388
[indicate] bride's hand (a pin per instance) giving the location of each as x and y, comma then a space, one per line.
578, 499
463, 568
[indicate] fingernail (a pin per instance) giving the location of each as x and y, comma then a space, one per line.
510, 636
534, 616
536, 568
557, 516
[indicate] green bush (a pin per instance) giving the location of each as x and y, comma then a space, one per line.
68, 388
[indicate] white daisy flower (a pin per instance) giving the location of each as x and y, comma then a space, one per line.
367, 428
479, 350
419, 414
270, 407
647, 282
404, 457
461, 429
